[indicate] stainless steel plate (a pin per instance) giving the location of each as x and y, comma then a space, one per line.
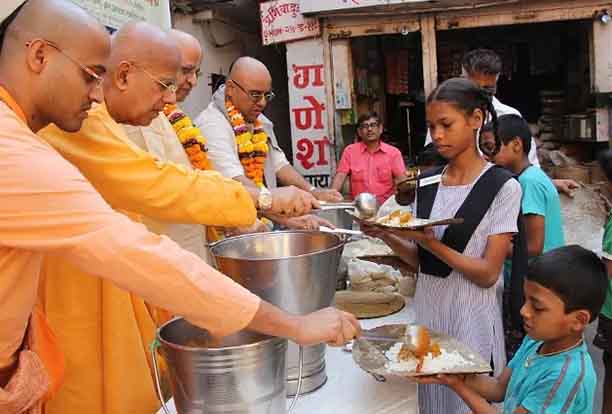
414, 224
370, 355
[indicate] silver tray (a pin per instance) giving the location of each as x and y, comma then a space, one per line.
370, 355
414, 224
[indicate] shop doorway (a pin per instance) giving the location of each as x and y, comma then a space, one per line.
546, 73
387, 75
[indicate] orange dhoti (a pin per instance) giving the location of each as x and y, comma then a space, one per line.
105, 335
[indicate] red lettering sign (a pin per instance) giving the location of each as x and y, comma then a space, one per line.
306, 150
303, 116
301, 77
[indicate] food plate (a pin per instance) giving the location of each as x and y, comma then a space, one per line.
414, 223
380, 357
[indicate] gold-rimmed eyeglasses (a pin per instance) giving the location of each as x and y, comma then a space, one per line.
92, 76
169, 86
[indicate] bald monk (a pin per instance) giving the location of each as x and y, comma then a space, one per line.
249, 90
105, 331
51, 62
160, 140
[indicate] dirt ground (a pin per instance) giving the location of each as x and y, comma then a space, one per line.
584, 217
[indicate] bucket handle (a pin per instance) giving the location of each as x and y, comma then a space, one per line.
156, 344
300, 377
153, 348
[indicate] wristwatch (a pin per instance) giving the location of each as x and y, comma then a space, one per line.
264, 199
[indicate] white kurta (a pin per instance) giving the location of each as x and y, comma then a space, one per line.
161, 141
222, 149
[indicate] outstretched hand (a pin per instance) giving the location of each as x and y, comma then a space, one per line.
566, 187
449, 380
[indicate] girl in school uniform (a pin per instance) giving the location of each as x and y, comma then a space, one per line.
460, 265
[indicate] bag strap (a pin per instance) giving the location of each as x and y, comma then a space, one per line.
520, 263
426, 195
472, 211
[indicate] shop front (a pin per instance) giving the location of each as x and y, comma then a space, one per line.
388, 56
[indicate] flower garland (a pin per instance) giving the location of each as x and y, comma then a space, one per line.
194, 144
190, 136
252, 146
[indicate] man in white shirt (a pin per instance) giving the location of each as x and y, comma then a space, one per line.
248, 89
483, 66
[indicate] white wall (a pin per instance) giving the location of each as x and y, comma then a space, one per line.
216, 59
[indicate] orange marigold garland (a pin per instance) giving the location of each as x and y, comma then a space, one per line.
252, 146
190, 137
194, 144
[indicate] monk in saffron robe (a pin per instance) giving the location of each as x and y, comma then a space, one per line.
105, 331
52, 61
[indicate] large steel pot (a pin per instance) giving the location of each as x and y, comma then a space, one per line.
294, 270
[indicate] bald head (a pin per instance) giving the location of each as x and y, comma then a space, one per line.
185, 41
248, 80
52, 56
143, 43
59, 21
143, 70
191, 59
246, 67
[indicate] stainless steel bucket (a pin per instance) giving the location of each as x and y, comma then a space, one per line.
294, 270
244, 374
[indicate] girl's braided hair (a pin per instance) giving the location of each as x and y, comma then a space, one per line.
467, 96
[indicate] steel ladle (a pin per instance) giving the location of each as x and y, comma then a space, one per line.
415, 337
365, 203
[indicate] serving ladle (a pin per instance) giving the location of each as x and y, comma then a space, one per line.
365, 204
416, 337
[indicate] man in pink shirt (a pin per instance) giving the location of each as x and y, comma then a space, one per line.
374, 167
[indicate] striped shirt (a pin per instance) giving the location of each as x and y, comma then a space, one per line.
553, 384
455, 305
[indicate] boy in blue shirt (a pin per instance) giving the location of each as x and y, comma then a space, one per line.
552, 371
540, 205
603, 339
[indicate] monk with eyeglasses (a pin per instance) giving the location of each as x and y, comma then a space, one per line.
53, 56
104, 330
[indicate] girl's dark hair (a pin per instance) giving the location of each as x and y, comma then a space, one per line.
467, 96
605, 161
